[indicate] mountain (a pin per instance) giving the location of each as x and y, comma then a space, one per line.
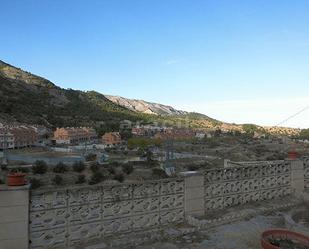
144, 106
27, 98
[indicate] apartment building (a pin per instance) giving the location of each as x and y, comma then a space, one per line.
17, 137
74, 135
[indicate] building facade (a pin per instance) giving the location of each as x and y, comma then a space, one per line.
74, 135
111, 138
17, 137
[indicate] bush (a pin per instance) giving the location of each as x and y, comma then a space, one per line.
111, 169
60, 168
119, 177
81, 179
35, 183
159, 172
97, 177
4, 167
57, 180
1, 181
39, 167
23, 170
127, 168
78, 167
91, 157
193, 167
94, 168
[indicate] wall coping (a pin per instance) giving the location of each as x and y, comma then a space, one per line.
4, 187
53, 189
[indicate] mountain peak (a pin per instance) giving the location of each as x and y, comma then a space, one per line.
144, 106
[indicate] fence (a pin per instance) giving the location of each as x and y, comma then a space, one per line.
75, 216
70, 217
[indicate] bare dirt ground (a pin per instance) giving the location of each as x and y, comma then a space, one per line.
244, 234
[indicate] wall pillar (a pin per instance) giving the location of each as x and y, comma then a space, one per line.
14, 217
194, 194
297, 178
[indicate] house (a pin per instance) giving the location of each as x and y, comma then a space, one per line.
6, 139
111, 138
17, 137
74, 135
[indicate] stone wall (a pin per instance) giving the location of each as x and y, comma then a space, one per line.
74, 216
239, 185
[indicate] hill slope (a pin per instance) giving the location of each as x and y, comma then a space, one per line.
28, 98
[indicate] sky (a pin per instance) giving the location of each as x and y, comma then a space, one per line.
240, 61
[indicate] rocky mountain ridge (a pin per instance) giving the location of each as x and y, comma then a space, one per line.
144, 106
27, 98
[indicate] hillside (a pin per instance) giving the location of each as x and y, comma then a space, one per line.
27, 98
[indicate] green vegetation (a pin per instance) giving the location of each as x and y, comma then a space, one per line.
91, 157
81, 179
60, 168
159, 173
35, 183
127, 168
119, 177
304, 134
39, 167
78, 167
143, 142
96, 177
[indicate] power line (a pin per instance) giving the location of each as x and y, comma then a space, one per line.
293, 116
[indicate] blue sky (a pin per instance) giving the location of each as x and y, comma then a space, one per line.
239, 61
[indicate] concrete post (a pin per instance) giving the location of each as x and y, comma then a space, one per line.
194, 193
14, 217
297, 177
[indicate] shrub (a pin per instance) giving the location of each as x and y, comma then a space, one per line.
4, 167
78, 166
23, 170
94, 168
127, 168
81, 179
1, 181
35, 183
91, 157
159, 172
119, 177
60, 168
193, 167
96, 178
111, 169
39, 167
57, 180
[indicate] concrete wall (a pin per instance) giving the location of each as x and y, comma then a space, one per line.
72, 217
194, 194
233, 186
14, 217
75, 216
